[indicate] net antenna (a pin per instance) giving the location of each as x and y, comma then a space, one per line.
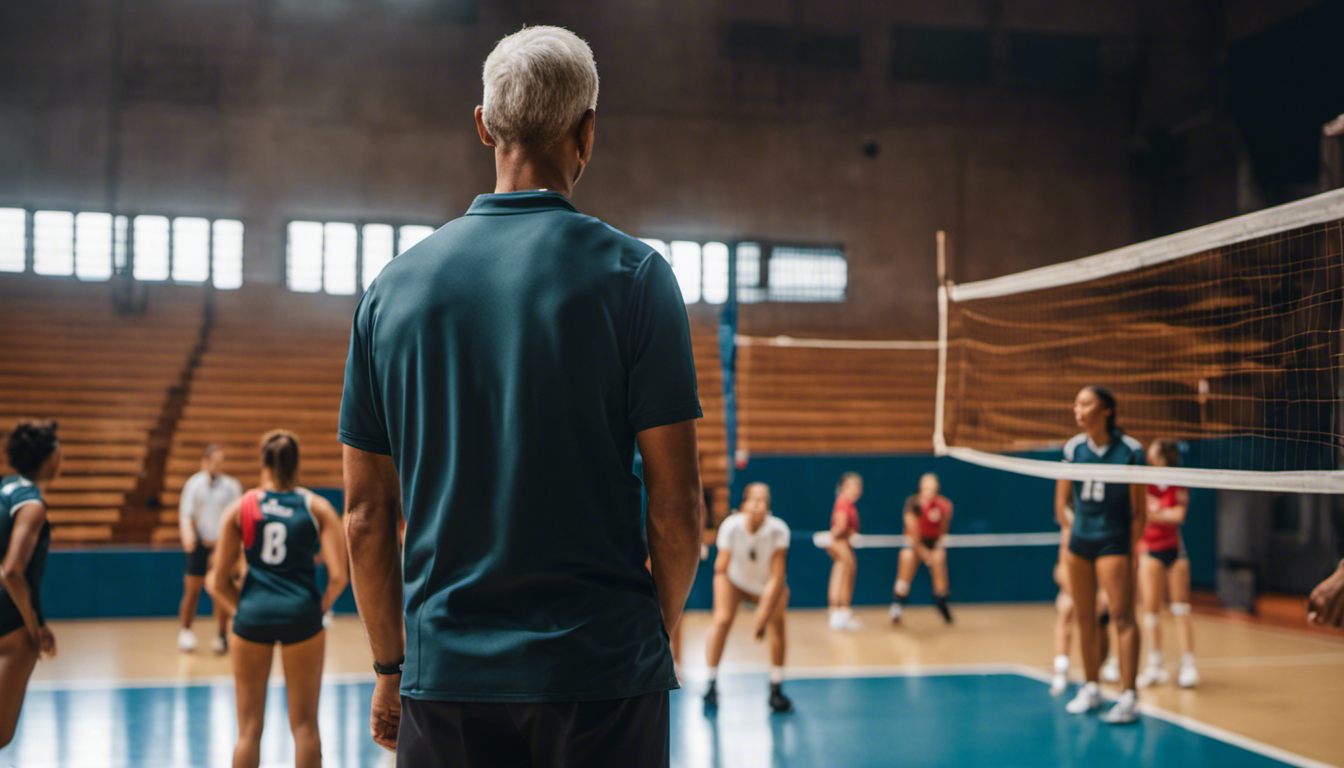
1226, 337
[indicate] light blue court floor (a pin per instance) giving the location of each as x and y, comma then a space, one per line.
992, 717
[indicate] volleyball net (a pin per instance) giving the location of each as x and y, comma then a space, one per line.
1226, 337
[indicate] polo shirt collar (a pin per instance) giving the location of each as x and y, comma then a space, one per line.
530, 201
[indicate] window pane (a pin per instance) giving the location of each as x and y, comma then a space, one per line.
686, 266
410, 235
338, 274
54, 243
93, 246
191, 250
228, 272
150, 239
716, 272
749, 289
807, 274
657, 245
377, 250
13, 222
119, 226
303, 267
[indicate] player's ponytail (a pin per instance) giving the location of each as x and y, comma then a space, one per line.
280, 455
1108, 402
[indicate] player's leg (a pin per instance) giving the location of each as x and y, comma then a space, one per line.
18, 657
1082, 579
726, 599
833, 585
1152, 592
220, 643
907, 562
775, 636
1116, 574
848, 574
192, 584
941, 584
251, 671
302, 662
1063, 638
1178, 578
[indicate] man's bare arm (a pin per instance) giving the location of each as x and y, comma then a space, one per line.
372, 512
676, 512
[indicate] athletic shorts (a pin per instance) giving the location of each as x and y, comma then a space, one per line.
1168, 556
1091, 549
930, 543
284, 634
198, 560
618, 733
10, 618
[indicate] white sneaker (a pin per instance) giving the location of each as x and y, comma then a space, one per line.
1110, 671
1126, 710
327, 618
219, 645
1088, 699
1154, 676
895, 611
186, 640
1059, 683
851, 624
837, 621
1188, 677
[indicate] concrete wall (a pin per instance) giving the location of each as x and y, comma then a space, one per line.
268, 110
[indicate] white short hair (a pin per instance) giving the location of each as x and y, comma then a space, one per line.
539, 82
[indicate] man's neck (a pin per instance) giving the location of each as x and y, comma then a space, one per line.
517, 170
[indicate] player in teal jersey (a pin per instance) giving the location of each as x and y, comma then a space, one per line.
25, 535
1105, 521
280, 528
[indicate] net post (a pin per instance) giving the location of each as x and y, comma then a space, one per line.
939, 403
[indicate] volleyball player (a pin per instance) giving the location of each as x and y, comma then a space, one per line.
25, 535
844, 524
750, 567
1106, 521
927, 517
279, 528
1165, 572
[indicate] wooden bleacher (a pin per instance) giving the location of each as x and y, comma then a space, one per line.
105, 376
807, 400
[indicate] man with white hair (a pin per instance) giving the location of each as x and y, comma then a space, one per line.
500, 375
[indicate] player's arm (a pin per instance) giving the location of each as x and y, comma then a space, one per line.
186, 516
1064, 502
774, 589
228, 548
947, 519
721, 561
333, 552
28, 520
1138, 504
676, 512
1173, 515
912, 537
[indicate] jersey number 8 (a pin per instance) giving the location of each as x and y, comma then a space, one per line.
273, 543
1093, 490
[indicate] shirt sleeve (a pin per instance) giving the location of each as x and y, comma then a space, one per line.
662, 387
186, 503
724, 539
22, 497
362, 424
912, 505
783, 536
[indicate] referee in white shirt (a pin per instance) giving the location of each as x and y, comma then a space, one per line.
204, 497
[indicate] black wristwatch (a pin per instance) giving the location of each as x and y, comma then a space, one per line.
389, 669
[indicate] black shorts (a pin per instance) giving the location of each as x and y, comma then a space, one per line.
284, 634
1167, 556
930, 543
618, 733
198, 560
1091, 549
10, 618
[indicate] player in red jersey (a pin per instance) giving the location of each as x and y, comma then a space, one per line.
927, 517
844, 524
1164, 571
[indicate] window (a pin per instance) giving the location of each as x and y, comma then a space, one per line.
780, 273
13, 239
92, 245
940, 54
343, 257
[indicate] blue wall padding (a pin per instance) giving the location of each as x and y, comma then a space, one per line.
112, 582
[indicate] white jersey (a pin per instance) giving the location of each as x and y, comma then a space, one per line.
749, 563
204, 501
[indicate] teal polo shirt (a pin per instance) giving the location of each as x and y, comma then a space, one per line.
505, 363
